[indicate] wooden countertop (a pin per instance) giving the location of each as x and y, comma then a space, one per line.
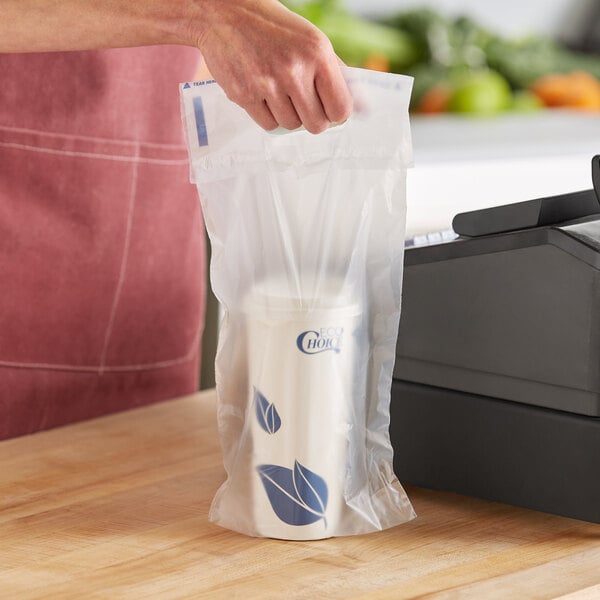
117, 508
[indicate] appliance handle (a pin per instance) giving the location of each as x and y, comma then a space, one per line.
532, 213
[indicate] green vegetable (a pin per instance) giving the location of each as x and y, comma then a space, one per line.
460, 42
524, 61
482, 93
356, 39
526, 101
442, 41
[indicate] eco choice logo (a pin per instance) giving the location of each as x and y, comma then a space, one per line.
321, 340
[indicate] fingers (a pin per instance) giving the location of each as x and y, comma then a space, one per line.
283, 111
261, 113
315, 105
315, 102
324, 101
309, 91
334, 93
310, 109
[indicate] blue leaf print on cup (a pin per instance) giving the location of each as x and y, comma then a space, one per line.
267, 415
298, 496
310, 488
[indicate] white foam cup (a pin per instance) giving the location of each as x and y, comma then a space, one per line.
301, 364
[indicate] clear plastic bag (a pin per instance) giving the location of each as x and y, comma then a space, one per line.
307, 236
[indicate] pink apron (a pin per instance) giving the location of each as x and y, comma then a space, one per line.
101, 244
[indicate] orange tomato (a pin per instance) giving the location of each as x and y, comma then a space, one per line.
578, 90
377, 62
435, 100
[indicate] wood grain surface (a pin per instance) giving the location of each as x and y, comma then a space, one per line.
117, 508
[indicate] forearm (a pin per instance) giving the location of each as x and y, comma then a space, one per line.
49, 25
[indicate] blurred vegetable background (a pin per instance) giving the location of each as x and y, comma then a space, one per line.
458, 65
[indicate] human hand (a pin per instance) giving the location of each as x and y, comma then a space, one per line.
273, 63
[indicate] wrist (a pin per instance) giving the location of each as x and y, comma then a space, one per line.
180, 22
193, 20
